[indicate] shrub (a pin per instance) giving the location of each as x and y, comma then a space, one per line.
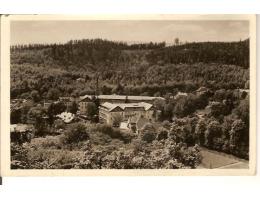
76, 133
18, 157
53, 159
162, 134
148, 133
113, 132
59, 124
154, 155
106, 129
148, 136
98, 138
191, 157
238, 136
200, 132
218, 144
214, 130
91, 110
53, 142
166, 124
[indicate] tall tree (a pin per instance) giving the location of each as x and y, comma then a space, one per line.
73, 107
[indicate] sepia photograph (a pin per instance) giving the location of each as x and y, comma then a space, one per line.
139, 93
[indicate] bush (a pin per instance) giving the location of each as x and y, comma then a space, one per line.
59, 124
162, 134
53, 159
166, 124
106, 129
113, 132
214, 130
148, 133
191, 157
238, 138
18, 157
49, 142
155, 155
200, 132
76, 133
98, 138
148, 136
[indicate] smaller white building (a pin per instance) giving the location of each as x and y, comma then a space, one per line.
67, 117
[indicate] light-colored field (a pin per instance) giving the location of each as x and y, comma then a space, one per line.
213, 159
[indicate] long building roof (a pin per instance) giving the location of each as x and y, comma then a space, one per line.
121, 97
123, 106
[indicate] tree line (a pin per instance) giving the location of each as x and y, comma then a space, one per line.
232, 53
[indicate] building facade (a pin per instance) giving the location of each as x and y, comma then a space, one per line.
83, 104
115, 99
68, 101
112, 114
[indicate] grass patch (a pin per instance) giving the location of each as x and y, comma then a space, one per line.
213, 159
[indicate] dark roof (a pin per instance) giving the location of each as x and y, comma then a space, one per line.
121, 97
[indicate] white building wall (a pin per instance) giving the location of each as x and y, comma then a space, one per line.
108, 117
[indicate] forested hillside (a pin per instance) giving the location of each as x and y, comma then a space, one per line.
233, 53
139, 69
202, 106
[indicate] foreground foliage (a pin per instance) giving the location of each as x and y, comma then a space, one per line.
103, 151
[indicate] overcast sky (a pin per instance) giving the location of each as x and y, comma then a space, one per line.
25, 32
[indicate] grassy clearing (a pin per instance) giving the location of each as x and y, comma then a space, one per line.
213, 159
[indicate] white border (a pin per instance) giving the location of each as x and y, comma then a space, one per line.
5, 99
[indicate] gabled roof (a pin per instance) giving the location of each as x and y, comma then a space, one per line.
124, 106
85, 97
110, 106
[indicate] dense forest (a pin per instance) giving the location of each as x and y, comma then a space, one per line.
232, 53
213, 113
141, 69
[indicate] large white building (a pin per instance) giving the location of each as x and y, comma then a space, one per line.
115, 99
114, 112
